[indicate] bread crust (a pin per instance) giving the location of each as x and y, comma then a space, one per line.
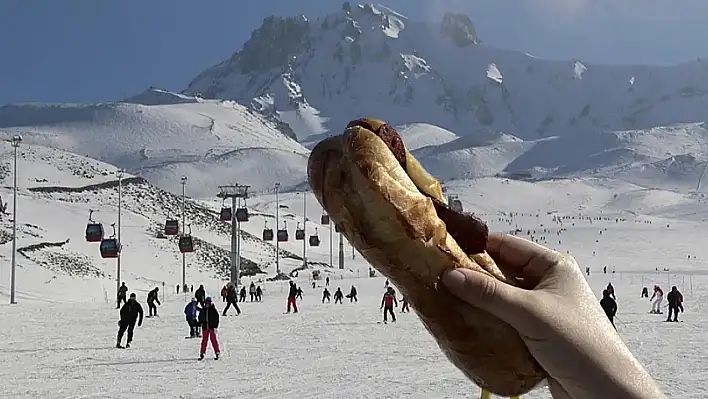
396, 229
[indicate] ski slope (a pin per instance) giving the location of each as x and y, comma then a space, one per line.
329, 349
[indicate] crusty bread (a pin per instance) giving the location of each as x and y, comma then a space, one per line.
395, 227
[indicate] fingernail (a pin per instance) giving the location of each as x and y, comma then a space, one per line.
454, 279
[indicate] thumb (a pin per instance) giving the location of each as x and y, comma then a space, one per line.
485, 292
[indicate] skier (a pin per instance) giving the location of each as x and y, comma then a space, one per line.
314, 285
611, 290
200, 294
387, 303
352, 295
122, 293
231, 299
259, 294
242, 295
252, 291
656, 305
224, 293
191, 312
292, 297
326, 295
177, 288
674, 298
404, 305
386, 284
327, 282
209, 321
609, 305
128, 315
299, 293
338, 295
191, 288
645, 292
151, 299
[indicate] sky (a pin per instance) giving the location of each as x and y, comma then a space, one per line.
107, 50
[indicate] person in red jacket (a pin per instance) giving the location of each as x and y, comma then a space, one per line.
404, 305
224, 293
292, 295
387, 303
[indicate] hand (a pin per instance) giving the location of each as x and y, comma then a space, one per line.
559, 319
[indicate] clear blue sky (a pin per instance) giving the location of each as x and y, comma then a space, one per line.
102, 50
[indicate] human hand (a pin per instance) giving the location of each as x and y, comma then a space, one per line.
559, 319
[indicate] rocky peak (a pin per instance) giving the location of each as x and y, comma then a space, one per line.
460, 29
273, 44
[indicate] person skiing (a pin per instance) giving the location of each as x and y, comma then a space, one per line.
152, 297
252, 291
292, 297
191, 312
299, 293
611, 291
224, 293
338, 295
326, 295
209, 321
609, 305
404, 304
387, 303
674, 298
200, 294
352, 295
645, 292
231, 300
656, 305
128, 315
242, 294
177, 288
386, 284
122, 293
259, 294
327, 282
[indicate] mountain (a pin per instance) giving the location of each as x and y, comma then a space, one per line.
317, 74
162, 136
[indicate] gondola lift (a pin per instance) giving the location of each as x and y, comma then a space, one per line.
186, 243
299, 233
324, 220
171, 227
225, 213
315, 239
94, 230
283, 233
267, 233
110, 247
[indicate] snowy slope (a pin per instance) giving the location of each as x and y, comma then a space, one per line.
57, 190
213, 142
370, 60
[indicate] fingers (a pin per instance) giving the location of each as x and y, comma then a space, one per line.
523, 257
486, 292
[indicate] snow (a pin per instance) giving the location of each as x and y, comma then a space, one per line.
346, 337
578, 70
494, 74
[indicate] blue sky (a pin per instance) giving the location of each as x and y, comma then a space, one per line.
102, 50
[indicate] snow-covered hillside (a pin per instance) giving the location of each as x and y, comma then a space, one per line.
162, 136
58, 189
370, 60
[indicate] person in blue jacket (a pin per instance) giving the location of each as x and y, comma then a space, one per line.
191, 312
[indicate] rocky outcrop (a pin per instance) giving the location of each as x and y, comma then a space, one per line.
460, 29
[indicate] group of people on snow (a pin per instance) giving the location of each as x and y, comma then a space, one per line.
674, 299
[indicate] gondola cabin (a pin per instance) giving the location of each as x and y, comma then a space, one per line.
283, 235
242, 215
314, 240
225, 215
171, 227
94, 232
324, 219
299, 233
456, 205
267, 234
110, 248
186, 244
337, 228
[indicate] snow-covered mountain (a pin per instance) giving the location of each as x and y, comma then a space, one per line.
317, 74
